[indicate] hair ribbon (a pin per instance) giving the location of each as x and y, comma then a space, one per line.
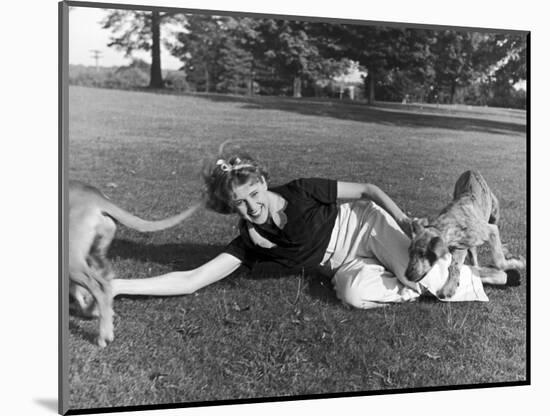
227, 167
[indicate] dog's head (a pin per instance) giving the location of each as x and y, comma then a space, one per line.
426, 248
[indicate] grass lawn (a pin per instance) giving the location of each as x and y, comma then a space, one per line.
274, 333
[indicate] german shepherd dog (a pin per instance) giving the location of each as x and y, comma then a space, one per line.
91, 229
466, 223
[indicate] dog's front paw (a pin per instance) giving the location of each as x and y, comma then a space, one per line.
447, 291
106, 332
103, 340
102, 343
451, 285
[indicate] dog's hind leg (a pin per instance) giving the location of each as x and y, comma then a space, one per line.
86, 304
98, 261
83, 302
102, 293
105, 232
499, 259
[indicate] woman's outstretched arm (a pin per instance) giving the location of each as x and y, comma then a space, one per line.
179, 283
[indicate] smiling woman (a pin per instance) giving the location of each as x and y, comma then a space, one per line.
362, 244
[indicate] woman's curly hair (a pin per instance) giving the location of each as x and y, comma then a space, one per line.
222, 175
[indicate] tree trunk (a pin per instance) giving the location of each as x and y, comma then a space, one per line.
297, 87
370, 80
156, 72
251, 83
453, 92
206, 79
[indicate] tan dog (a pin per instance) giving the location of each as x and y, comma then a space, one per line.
91, 230
466, 223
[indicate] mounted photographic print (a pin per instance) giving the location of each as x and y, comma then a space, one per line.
270, 208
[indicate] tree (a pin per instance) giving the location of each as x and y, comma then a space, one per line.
458, 59
507, 65
488, 63
211, 48
512, 51
198, 47
289, 47
379, 49
221, 52
139, 30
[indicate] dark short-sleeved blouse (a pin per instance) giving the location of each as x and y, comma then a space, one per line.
311, 212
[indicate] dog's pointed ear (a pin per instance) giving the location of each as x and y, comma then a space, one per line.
418, 225
438, 247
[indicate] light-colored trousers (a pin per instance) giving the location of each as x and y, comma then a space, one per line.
368, 250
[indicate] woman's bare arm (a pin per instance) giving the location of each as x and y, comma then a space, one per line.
179, 283
352, 190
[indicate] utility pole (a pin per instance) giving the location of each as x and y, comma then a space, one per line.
96, 54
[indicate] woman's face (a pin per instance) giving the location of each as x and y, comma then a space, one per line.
251, 200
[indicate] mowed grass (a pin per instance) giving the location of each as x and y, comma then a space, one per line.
272, 332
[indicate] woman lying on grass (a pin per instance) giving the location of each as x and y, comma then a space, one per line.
362, 244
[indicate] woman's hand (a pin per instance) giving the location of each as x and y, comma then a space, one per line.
405, 223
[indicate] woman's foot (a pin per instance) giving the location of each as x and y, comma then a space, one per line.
513, 277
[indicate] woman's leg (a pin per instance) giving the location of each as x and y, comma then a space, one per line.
387, 243
374, 248
365, 283
490, 275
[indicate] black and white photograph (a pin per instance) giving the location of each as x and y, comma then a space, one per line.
272, 207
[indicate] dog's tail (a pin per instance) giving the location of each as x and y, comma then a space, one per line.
222, 146
145, 226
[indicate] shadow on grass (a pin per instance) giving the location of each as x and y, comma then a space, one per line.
394, 114
320, 287
84, 332
316, 284
180, 256
378, 113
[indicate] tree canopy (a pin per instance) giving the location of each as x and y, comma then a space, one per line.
284, 56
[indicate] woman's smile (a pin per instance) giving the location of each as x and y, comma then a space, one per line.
255, 213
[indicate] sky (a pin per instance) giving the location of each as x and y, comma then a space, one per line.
86, 34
